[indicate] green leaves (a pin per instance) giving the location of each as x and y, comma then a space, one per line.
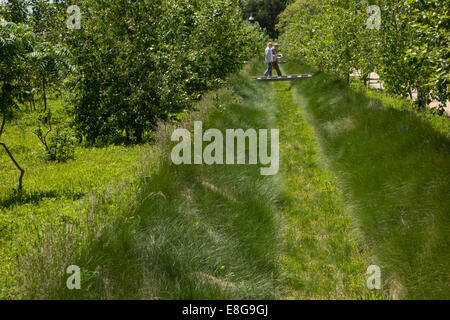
411, 51
141, 62
16, 42
430, 22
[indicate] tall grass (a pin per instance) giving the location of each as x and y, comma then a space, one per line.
393, 167
322, 256
226, 232
201, 232
62, 208
368, 185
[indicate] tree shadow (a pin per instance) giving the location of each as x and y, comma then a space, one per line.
20, 198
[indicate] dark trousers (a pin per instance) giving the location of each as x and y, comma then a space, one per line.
277, 68
268, 72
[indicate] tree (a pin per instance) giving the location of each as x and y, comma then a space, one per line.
411, 51
143, 61
14, 10
49, 19
49, 65
400, 77
265, 12
431, 46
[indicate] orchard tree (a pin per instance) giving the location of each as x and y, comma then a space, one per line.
431, 44
302, 27
400, 77
48, 19
49, 66
143, 61
410, 49
297, 9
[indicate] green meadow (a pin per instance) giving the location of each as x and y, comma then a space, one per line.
62, 206
225, 231
362, 182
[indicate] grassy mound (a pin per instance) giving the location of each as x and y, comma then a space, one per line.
201, 231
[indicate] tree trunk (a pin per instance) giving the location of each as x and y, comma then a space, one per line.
44, 94
421, 99
33, 107
2, 125
127, 134
22, 171
139, 131
410, 93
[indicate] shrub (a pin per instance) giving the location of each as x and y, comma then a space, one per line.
61, 145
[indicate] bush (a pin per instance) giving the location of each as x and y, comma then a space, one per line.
61, 145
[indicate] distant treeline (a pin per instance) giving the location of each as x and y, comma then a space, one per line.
265, 13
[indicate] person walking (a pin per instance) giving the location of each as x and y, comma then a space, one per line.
269, 60
275, 60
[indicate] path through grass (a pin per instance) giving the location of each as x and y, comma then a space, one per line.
394, 171
322, 256
203, 232
225, 231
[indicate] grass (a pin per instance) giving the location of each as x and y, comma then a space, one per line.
62, 207
323, 257
203, 232
362, 181
226, 232
393, 168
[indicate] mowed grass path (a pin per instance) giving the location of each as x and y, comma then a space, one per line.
322, 256
225, 231
394, 171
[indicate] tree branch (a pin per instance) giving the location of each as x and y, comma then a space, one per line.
42, 138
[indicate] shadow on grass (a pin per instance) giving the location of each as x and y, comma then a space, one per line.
394, 169
198, 232
34, 197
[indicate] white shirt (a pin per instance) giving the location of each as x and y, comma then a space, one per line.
269, 55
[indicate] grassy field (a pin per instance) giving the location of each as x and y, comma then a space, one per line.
63, 205
226, 232
204, 232
361, 182
393, 167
